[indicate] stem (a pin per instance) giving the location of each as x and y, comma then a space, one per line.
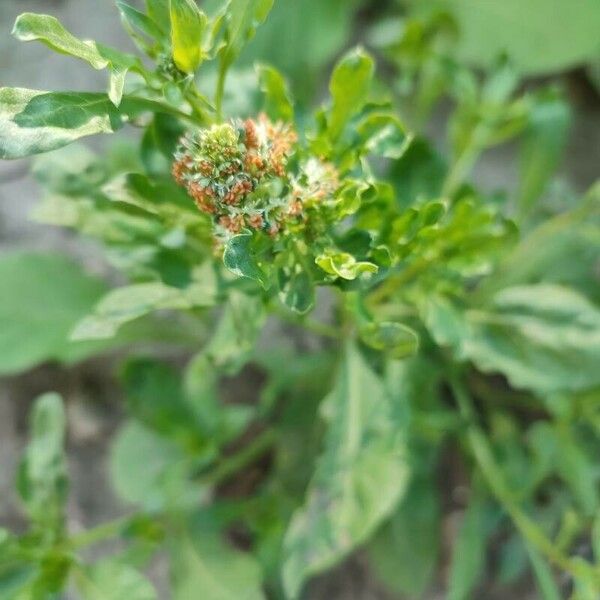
220, 91
466, 161
494, 477
97, 534
234, 463
392, 283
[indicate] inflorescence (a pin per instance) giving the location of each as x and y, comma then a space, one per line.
238, 173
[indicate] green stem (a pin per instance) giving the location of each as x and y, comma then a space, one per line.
494, 477
393, 282
232, 464
466, 161
102, 532
220, 92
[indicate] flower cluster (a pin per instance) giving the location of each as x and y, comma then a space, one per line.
227, 167
238, 173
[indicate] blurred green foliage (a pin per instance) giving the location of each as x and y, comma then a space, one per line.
446, 340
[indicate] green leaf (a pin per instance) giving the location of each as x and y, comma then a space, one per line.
151, 470
155, 396
296, 289
278, 102
42, 478
519, 29
383, 134
543, 143
545, 338
468, 557
111, 579
131, 302
205, 562
244, 16
138, 20
404, 552
395, 339
50, 31
344, 265
308, 36
240, 259
359, 478
188, 23
349, 86
43, 297
33, 121
543, 575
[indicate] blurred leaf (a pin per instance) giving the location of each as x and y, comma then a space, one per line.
155, 396
469, 551
111, 579
278, 102
544, 337
42, 478
150, 470
243, 17
542, 147
404, 552
188, 23
205, 562
43, 297
358, 480
520, 29
543, 575
349, 86
395, 339
127, 303
307, 36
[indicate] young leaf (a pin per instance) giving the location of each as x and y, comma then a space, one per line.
49, 31
296, 289
278, 102
344, 265
188, 23
244, 16
349, 87
239, 258
359, 478
138, 20
42, 477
